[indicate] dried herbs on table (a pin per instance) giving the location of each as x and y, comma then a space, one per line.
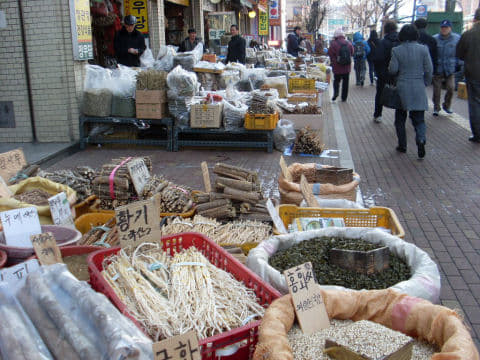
316, 251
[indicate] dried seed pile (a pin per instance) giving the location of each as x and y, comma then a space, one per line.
308, 141
35, 197
170, 295
310, 347
317, 252
97, 102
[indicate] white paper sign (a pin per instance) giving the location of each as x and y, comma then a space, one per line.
277, 221
14, 274
139, 174
60, 209
19, 224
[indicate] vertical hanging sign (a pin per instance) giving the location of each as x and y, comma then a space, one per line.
81, 29
263, 18
138, 8
274, 13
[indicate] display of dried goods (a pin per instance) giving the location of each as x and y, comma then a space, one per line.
317, 252
79, 179
259, 104
151, 79
105, 235
26, 172
308, 141
171, 295
308, 109
77, 265
35, 197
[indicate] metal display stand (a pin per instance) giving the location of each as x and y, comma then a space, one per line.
141, 124
238, 138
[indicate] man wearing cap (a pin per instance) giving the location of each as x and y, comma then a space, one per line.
468, 50
446, 66
190, 42
129, 43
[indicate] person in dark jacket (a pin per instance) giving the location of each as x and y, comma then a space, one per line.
381, 60
190, 42
319, 46
129, 43
428, 40
236, 47
360, 53
468, 50
372, 42
293, 42
341, 67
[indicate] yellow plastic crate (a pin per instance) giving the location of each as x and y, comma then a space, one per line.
261, 121
373, 217
300, 84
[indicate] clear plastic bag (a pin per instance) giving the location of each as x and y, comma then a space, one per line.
147, 60
233, 115
284, 135
96, 77
165, 58
179, 108
123, 81
181, 83
279, 83
19, 339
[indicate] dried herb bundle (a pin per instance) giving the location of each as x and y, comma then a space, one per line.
308, 142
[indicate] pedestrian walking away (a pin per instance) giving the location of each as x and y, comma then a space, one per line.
372, 42
129, 43
361, 49
381, 59
411, 65
447, 65
340, 52
293, 42
468, 50
427, 40
236, 47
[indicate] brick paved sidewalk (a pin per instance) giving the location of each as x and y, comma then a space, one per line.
437, 199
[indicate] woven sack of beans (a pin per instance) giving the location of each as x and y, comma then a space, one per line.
412, 316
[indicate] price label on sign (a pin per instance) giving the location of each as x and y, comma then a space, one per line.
181, 347
19, 224
14, 274
307, 298
11, 163
137, 223
60, 209
139, 174
46, 248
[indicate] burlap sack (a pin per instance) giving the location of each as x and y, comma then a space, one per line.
413, 316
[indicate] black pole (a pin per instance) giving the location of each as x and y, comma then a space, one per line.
414, 10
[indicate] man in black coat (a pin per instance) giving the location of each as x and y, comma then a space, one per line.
190, 42
236, 47
129, 43
293, 42
381, 60
428, 40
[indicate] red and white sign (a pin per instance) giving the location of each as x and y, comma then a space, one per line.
274, 13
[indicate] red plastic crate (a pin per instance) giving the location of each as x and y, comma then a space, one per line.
246, 335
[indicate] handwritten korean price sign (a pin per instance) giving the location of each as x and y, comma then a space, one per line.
19, 224
182, 347
11, 162
14, 274
137, 223
46, 248
60, 209
307, 298
139, 174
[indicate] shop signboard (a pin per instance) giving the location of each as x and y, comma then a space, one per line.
263, 19
137, 8
81, 29
422, 11
274, 13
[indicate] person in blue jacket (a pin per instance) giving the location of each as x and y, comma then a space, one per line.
361, 50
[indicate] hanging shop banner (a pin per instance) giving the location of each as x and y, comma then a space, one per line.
137, 8
262, 23
81, 29
274, 13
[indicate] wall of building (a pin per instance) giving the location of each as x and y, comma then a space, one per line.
56, 79
156, 24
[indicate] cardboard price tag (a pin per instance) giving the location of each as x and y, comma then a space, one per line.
19, 224
46, 248
307, 192
285, 172
277, 221
4, 190
139, 174
307, 298
14, 274
181, 347
60, 209
137, 223
206, 177
11, 162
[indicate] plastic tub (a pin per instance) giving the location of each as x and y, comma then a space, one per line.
3, 258
64, 236
87, 221
245, 337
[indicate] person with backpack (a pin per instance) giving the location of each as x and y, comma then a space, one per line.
372, 42
381, 60
361, 49
340, 52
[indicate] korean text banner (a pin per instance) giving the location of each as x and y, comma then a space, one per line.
137, 8
81, 29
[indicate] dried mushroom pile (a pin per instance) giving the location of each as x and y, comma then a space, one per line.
317, 252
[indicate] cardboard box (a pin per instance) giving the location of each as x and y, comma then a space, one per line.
462, 91
210, 58
152, 111
206, 115
151, 96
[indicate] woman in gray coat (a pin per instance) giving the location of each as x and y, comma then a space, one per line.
412, 65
